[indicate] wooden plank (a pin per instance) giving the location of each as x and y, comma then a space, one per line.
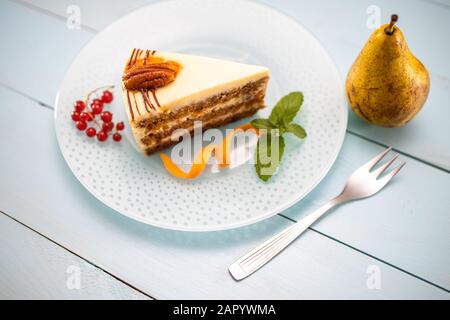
406, 224
37, 50
348, 20
38, 189
435, 146
94, 14
445, 4
32, 267
344, 40
341, 27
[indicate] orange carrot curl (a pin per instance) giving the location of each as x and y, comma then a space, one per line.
221, 153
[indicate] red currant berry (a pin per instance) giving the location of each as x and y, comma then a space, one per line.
97, 101
97, 108
86, 116
90, 132
75, 116
120, 126
117, 137
106, 116
102, 136
107, 96
79, 106
107, 126
81, 125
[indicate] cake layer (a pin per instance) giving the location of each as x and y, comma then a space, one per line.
158, 127
201, 118
251, 91
234, 113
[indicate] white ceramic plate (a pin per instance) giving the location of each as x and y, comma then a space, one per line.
137, 186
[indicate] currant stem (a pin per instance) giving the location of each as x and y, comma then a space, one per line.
88, 104
95, 91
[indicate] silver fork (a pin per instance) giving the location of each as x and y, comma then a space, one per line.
362, 184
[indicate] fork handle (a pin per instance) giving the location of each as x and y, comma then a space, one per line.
262, 254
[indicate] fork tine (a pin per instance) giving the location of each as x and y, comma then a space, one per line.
369, 165
378, 172
391, 174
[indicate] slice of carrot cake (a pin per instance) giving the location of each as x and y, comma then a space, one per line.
166, 91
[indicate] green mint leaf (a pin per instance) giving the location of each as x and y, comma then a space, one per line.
296, 130
286, 109
269, 151
263, 124
276, 116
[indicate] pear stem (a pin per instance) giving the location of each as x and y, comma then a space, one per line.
390, 28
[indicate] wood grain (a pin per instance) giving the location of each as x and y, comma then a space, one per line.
39, 51
342, 29
169, 264
31, 267
413, 226
400, 224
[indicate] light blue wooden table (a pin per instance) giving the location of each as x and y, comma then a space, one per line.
58, 241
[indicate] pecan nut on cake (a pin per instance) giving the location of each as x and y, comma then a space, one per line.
166, 91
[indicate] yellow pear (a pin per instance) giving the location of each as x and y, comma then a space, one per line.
387, 85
